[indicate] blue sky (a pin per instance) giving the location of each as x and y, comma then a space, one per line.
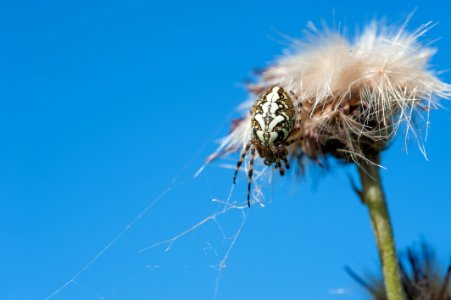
104, 105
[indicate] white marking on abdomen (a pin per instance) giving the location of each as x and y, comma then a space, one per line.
265, 107
273, 96
273, 108
272, 137
259, 119
274, 122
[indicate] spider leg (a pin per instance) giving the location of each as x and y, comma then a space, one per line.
276, 152
288, 143
297, 126
299, 158
295, 130
287, 164
238, 165
249, 176
298, 119
279, 166
282, 151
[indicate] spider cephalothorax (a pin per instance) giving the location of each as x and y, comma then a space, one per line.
272, 121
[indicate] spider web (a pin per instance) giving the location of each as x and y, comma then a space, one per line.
229, 235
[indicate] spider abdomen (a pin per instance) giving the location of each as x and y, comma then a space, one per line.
273, 117
272, 122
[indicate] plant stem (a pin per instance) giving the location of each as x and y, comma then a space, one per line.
372, 195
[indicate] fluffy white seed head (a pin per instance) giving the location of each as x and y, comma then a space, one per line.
354, 93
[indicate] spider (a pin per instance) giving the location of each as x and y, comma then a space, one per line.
272, 120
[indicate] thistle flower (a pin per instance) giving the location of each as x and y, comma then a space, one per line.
354, 94
422, 278
349, 98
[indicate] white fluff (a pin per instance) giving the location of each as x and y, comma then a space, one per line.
390, 64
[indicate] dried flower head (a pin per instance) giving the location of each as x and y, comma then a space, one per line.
355, 95
421, 277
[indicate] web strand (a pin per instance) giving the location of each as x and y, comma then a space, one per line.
173, 183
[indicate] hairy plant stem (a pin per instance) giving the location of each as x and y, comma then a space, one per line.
372, 195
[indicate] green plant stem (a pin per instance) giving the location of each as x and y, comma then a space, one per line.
372, 195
